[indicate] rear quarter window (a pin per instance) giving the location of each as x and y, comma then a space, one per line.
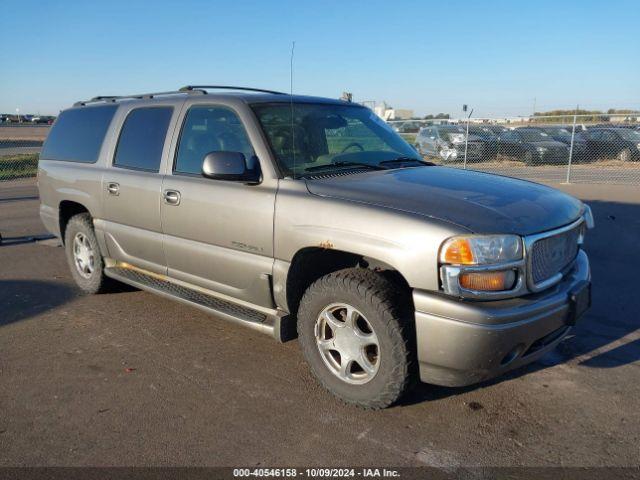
77, 134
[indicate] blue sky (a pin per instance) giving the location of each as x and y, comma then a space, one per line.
432, 57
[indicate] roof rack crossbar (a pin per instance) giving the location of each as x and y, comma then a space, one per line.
190, 88
114, 98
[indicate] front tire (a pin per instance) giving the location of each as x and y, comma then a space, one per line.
83, 255
625, 155
355, 330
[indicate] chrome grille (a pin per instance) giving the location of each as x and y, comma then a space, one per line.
550, 255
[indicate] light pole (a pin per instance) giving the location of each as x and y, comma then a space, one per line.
18, 114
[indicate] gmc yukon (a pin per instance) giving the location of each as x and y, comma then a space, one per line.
310, 216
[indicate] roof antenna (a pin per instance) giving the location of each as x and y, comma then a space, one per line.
293, 138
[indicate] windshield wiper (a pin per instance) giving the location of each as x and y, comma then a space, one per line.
401, 160
329, 166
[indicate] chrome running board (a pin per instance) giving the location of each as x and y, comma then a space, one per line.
262, 319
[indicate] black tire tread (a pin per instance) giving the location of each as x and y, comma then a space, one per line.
99, 283
387, 302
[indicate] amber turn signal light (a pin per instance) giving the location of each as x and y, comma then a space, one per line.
459, 252
488, 281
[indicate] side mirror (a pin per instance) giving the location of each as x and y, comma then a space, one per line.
230, 166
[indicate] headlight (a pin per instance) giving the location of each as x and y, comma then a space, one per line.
481, 249
638, 146
541, 149
456, 137
473, 264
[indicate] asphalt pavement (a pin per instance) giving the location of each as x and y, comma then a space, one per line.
130, 378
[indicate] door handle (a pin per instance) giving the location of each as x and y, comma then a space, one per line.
113, 188
171, 197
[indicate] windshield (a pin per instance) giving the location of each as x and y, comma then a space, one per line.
560, 131
482, 132
629, 134
534, 136
328, 135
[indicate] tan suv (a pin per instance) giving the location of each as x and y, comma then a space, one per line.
278, 211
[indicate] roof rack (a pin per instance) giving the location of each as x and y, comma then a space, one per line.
115, 98
190, 88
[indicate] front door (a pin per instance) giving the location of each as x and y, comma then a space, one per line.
132, 187
217, 234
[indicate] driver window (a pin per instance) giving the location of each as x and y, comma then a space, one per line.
209, 129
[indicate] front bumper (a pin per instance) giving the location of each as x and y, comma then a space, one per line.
463, 342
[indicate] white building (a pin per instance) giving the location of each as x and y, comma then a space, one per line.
386, 112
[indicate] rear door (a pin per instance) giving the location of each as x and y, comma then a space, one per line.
612, 144
132, 186
595, 141
510, 144
218, 234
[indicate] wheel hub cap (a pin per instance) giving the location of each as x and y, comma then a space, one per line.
83, 255
347, 343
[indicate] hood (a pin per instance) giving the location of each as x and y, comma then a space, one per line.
479, 202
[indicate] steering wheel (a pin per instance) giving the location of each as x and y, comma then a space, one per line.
353, 144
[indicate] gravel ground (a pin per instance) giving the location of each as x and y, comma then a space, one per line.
133, 379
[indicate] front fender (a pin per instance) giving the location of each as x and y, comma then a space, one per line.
406, 242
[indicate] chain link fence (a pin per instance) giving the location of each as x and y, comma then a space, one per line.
20, 146
602, 148
594, 148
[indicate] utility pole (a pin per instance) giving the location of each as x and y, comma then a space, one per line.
534, 105
466, 137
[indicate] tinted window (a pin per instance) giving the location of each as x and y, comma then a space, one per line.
594, 134
509, 135
209, 129
142, 138
628, 134
77, 134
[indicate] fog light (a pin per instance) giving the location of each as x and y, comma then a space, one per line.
488, 281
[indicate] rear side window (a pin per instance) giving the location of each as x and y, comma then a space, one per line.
142, 138
77, 134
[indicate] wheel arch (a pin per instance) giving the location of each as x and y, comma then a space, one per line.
66, 210
311, 263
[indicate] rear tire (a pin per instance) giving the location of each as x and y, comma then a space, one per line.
84, 257
528, 159
358, 373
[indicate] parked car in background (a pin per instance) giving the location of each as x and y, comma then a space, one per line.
489, 138
564, 134
409, 127
497, 129
607, 143
532, 146
447, 144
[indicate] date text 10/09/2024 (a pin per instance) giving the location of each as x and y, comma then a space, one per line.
315, 472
